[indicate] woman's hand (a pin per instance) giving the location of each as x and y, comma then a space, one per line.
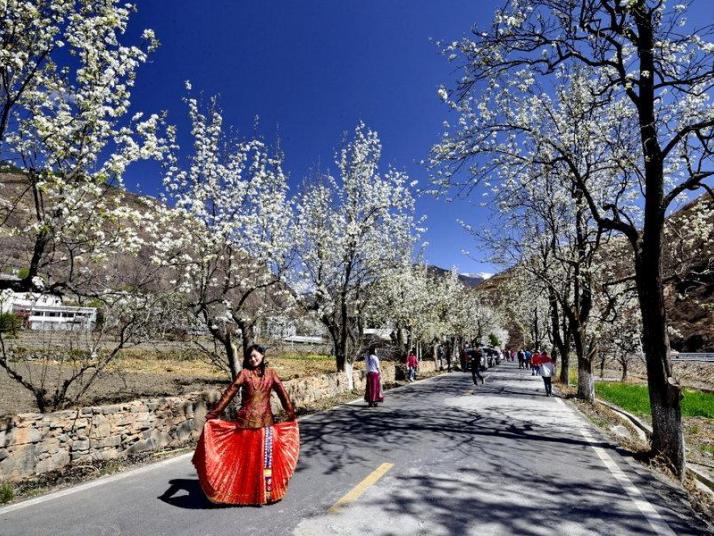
212, 415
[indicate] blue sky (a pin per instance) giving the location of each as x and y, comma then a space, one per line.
311, 70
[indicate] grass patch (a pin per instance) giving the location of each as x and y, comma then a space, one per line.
7, 493
698, 404
632, 398
635, 399
573, 376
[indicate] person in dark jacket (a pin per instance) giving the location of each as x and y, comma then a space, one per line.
476, 356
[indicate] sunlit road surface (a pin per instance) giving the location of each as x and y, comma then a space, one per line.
439, 457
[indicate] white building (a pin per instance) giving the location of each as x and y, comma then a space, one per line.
279, 327
380, 333
46, 312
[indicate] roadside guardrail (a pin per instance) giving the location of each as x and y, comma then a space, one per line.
707, 357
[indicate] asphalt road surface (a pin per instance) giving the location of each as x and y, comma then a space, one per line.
440, 457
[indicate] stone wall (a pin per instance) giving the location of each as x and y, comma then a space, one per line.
36, 443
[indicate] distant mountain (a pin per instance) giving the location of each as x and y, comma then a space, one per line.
470, 280
482, 275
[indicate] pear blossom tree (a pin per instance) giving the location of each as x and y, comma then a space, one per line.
66, 134
464, 315
134, 304
548, 232
403, 299
231, 245
641, 55
351, 231
65, 94
528, 306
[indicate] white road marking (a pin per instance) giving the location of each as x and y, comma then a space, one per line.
648, 511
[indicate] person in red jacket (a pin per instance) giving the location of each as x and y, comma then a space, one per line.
536, 360
412, 365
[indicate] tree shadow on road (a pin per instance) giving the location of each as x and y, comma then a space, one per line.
505, 444
409, 423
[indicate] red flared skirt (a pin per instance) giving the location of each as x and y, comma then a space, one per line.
246, 465
373, 393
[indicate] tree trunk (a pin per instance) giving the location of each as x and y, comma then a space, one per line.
401, 343
38, 252
350, 377
602, 367
564, 365
561, 338
586, 385
41, 400
234, 361
664, 391
247, 332
341, 357
339, 341
535, 331
624, 370
338, 347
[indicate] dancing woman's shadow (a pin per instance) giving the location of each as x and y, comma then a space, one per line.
194, 498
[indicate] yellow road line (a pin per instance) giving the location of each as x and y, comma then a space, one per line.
360, 488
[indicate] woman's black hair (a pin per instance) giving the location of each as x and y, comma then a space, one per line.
246, 358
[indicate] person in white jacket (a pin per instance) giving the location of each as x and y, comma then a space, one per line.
547, 370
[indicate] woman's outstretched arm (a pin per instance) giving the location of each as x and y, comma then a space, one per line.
284, 397
226, 397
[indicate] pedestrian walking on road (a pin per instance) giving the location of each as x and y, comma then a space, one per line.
412, 365
373, 392
476, 357
547, 370
248, 461
527, 359
521, 359
535, 363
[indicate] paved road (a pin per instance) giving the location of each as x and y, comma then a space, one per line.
496, 459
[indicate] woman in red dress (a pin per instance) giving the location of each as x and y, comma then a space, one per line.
373, 391
251, 460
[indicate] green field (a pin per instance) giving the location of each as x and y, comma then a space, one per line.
634, 398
